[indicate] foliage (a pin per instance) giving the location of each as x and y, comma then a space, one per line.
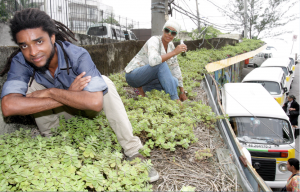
111, 20
84, 154
203, 153
188, 188
8, 7
210, 32
81, 159
265, 18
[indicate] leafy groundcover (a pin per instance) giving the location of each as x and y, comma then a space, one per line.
84, 155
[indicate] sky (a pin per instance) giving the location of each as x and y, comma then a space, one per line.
140, 10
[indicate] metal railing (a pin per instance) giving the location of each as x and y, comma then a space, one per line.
78, 15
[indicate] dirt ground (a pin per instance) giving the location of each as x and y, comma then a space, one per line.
181, 168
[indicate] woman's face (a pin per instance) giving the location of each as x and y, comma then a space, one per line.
290, 99
289, 167
167, 36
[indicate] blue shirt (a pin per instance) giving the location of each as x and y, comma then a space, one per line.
79, 61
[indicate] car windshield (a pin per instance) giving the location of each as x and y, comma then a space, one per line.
97, 31
133, 36
272, 87
285, 70
262, 130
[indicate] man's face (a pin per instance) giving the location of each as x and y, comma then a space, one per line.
290, 99
36, 46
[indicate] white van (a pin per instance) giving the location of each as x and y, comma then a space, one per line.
293, 64
129, 35
285, 64
272, 79
259, 58
262, 127
106, 30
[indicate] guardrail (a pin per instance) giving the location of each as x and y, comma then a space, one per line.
214, 66
248, 178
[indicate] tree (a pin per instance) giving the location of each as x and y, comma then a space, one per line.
111, 20
264, 17
9, 7
210, 32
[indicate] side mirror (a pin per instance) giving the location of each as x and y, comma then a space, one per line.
291, 72
285, 89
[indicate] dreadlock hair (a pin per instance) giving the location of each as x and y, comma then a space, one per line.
34, 18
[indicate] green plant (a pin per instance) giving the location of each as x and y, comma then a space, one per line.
203, 154
84, 154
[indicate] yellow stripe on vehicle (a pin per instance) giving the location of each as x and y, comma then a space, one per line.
287, 78
291, 155
293, 68
279, 100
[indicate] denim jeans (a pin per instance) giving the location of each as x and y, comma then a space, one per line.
157, 77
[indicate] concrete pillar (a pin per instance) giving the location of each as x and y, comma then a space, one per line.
158, 16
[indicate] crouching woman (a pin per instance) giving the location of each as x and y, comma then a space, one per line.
156, 65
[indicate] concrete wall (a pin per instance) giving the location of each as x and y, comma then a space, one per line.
5, 38
108, 57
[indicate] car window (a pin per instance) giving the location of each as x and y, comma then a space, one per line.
132, 35
113, 32
272, 87
120, 33
285, 70
291, 65
126, 35
292, 61
97, 31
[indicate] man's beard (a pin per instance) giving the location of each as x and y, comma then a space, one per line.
44, 68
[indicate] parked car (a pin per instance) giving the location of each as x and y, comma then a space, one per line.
272, 79
285, 64
259, 58
262, 127
106, 30
129, 35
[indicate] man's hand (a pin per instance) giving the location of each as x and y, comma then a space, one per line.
80, 82
182, 97
39, 93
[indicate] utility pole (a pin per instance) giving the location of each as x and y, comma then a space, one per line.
198, 19
45, 6
158, 16
246, 19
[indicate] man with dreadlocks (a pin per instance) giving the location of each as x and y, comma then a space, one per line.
48, 76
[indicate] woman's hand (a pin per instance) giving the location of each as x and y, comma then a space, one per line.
292, 109
180, 48
182, 97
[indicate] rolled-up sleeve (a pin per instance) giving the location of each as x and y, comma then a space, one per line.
85, 64
17, 78
153, 51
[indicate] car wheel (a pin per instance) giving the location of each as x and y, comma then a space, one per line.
255, 65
